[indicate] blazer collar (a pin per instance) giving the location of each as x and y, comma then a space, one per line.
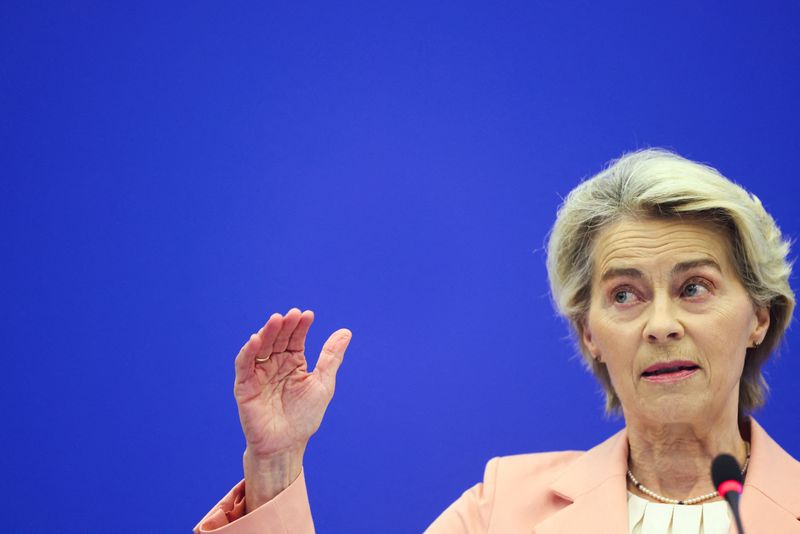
595, 485
770, 494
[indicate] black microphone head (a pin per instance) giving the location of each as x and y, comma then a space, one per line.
724, 468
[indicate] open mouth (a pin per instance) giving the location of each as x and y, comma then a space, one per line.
670, 370
673, 371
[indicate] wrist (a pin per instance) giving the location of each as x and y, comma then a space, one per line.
267, 476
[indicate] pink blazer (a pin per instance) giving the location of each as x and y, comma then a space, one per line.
546, 493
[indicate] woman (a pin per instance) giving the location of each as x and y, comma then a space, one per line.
675, 283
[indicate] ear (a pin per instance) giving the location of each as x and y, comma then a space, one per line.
762, 325
587, 340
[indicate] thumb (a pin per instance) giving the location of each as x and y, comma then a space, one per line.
331, 356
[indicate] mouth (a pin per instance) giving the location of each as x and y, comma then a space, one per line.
670, 371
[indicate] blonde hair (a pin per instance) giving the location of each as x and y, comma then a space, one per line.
657, 183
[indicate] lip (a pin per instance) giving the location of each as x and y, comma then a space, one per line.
666, 365
671, 377
680, 370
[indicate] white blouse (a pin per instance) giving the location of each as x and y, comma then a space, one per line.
645, 517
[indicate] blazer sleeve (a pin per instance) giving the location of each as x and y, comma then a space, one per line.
472, 512
288, 513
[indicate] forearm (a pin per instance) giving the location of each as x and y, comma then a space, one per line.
267, 477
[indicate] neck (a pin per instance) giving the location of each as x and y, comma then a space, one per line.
674, 459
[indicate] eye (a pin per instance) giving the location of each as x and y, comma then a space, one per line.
624, 296
695, 289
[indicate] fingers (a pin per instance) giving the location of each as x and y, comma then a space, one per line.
290, 322
297, 341
269, 334
288, 333
259, 344
332, 355
244, 360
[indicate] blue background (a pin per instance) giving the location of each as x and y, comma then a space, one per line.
172, 173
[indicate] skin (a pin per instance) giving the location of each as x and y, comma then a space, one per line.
665, 290
642, 311
281, 403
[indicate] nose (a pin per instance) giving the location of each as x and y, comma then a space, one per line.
663, 324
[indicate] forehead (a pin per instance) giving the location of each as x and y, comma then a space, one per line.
659, 243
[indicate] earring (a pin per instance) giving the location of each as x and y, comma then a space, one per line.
756, 344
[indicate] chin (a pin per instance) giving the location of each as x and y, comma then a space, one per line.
673, 409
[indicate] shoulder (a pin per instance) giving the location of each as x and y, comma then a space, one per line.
773, 471
538, 485
524, 481
522, 467
525, 489
513, 495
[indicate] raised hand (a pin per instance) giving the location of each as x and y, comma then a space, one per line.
280, 403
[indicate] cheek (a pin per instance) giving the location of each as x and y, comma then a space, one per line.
722, 338
616, 342
725, 358
729, 327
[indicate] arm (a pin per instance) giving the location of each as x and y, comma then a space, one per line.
287, 513
280, 406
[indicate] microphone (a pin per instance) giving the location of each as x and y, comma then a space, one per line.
728, 479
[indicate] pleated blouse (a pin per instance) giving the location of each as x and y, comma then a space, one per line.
645, 517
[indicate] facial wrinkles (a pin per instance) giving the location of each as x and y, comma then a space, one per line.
718, 313
624, 245
654, 250
630, 336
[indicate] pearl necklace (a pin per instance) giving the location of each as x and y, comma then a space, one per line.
693, 500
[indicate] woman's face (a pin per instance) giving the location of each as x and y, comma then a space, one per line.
670, 319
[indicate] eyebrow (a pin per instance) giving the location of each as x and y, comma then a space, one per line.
680, 268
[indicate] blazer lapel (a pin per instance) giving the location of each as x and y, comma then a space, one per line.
595, 487
770, 501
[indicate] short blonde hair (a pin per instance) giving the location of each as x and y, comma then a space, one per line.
657, 183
